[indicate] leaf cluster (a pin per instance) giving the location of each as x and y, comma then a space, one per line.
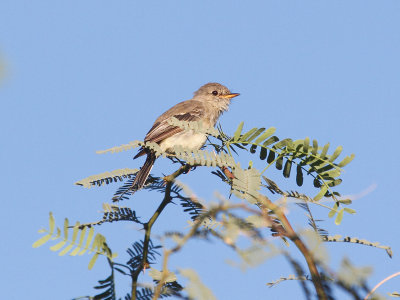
113, 213
136, 254
107, 177
89, 242
303, 156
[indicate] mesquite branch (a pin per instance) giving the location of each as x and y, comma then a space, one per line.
147, 226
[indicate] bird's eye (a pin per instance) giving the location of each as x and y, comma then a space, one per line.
215, 93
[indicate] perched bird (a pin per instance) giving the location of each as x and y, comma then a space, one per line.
207, 104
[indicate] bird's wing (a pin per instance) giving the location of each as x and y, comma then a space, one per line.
190, 110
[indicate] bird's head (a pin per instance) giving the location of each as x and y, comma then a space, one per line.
214, 92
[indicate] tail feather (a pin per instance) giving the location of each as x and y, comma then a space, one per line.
144, 172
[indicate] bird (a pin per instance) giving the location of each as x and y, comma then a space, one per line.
207, 104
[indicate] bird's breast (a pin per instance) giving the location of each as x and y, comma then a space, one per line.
185, 139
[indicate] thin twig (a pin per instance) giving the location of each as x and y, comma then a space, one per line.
164, 274
292, 235
380, 283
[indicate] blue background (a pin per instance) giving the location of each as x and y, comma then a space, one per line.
87, 75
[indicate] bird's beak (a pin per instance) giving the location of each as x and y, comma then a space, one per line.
230, 96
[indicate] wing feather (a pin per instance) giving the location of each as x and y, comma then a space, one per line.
190, 110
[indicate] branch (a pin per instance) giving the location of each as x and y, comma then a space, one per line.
147, 226
266, 204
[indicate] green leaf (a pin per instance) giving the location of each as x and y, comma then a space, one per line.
270, 141
253, 149
66, 225
339, 217
51, 223
287, 168
106, 177
321, 193
346, 201
246, 184
306, 144
330, 174
75, 231
97, 243
255, 134
66, 250
317, 183
346, 161
333, 211
263, 153
88, 241
58, 246
125, 147
325, 168
283, 143
238, 131
279, 162
82, 237
93, 261
315, 147
299, 176
334, 182
336, 153
324, 151
76, 251
41, 241
314, 164
248, 134
267, 133
349, 210
271, 157
58, 235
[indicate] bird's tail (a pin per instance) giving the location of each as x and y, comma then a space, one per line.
144, 172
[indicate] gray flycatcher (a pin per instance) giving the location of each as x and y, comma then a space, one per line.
207, 104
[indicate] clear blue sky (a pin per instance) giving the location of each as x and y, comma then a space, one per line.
88, 75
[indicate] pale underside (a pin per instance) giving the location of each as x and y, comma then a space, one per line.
186, 139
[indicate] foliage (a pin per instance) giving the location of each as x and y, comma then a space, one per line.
112, 213
107, 177
98, 243
347, 239
231, 222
